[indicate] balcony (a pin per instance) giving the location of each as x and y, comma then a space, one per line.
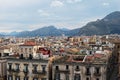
13, 70
87, 73
38, 72
62, 71
77, 69
25, 71
9, 69
97, 74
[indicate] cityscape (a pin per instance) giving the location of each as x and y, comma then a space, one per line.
59, 40
60, 58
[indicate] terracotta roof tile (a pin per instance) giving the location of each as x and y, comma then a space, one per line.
29, 43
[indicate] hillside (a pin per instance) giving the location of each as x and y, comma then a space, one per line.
108, 25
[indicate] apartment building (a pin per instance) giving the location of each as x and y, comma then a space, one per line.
27, 49
26, 66
79, 68
27, 69
3, 69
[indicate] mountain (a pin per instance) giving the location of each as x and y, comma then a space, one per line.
45, 31
13, 33
2, 34
110, 24
64, 29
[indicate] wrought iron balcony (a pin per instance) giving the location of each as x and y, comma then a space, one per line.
38, 72
77, 69
25, 71
63, 71
87, 73
9, 69
97, 74
13, 70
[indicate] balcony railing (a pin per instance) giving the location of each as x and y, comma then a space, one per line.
13, 70
97, 74
87, 73
38, 72
25, 71
63, 71
9, 69
77, 69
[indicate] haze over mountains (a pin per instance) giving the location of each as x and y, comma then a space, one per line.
110, 24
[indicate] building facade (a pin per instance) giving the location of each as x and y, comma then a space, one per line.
22, 69
3, 69
78, 69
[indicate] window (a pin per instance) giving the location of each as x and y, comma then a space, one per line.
43, 68
35, 68
67, 76
87, 70
10, 66
10, 77
25, 49
17, 67
17, 77
97, 70
67, 67
77, 77
30, 49
21, 56
57, 76
77, 68
30, 56
25, 78
87, 78
25, 67
21, 49
97, 78
118, 46
57, 67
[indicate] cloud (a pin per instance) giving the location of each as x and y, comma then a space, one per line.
105, 4
43, 13
8, 27
56, 3
73, 1
6, 4
15, 14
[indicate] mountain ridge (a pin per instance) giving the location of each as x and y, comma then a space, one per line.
110, 24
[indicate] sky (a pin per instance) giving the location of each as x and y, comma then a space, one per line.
22, 15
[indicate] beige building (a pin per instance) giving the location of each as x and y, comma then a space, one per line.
5, 51
3, 69
78, 68
28, 48
24, 69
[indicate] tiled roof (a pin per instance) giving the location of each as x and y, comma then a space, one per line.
29, 43
43, 51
